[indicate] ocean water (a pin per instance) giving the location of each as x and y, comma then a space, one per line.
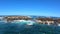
22, 28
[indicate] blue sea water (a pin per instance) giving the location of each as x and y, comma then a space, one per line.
22, 28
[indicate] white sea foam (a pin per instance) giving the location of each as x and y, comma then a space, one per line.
28, 22
58, 24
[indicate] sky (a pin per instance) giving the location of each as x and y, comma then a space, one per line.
30, 7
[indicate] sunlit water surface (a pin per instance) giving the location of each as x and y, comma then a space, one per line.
23, 28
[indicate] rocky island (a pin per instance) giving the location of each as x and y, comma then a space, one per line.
39, 19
